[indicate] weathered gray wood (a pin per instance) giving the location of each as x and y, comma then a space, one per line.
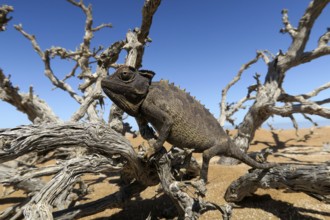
115, 200
271, 90
188, 207
57, 192
314, 180
102, 143
20, 178
24, 139
4, 10
36, 109
38, 138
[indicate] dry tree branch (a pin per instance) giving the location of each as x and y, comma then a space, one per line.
101, 26
98, 138
305, 106
30, 104
312, 109
149, 9
44, 137
72, 73
224, 115
109, 56
63, 53
304, 98
119, 199
316, 91
295, 124
15, 174
91, 94
81, 56
45, 56
10, 176
288, 28
95, 93
4, 10
135, 40
314, 180
68, 173
310, 119
324, 39
295, 53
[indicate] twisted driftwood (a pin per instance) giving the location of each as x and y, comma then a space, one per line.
106, 151
314, 180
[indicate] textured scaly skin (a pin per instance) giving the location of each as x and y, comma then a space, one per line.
178, 118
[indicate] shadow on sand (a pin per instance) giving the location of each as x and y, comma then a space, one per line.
282, 210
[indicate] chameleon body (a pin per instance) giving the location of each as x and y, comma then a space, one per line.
177, 117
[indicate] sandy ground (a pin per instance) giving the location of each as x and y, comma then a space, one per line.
265, 204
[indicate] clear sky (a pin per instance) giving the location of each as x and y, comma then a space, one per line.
199, 45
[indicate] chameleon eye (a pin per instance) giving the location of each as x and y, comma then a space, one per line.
126, 76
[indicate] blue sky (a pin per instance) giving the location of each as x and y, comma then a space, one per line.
199, 45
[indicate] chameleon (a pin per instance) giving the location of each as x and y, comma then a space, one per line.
177, 117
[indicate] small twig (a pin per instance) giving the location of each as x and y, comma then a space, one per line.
45, 56
310, 119
223, 114
72, 73
295, 124
316, 91
31, 94
324, 39
288, 28
101, 26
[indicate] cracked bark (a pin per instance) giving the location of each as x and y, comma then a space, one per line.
103, 146
310, 179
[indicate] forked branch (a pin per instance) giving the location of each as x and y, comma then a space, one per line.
225, 114
45, 56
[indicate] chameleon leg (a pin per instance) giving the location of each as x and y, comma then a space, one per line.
207, 155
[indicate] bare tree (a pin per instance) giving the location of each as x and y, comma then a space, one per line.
270, 98
96, 147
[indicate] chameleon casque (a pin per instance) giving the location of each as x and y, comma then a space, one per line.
177, 117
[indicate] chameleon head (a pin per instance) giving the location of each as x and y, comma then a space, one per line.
127, 88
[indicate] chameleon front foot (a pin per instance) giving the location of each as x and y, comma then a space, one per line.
200, 187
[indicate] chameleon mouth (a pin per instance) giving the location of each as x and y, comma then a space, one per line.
120, 100
118, 88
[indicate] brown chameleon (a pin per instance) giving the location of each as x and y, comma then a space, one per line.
177, 117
